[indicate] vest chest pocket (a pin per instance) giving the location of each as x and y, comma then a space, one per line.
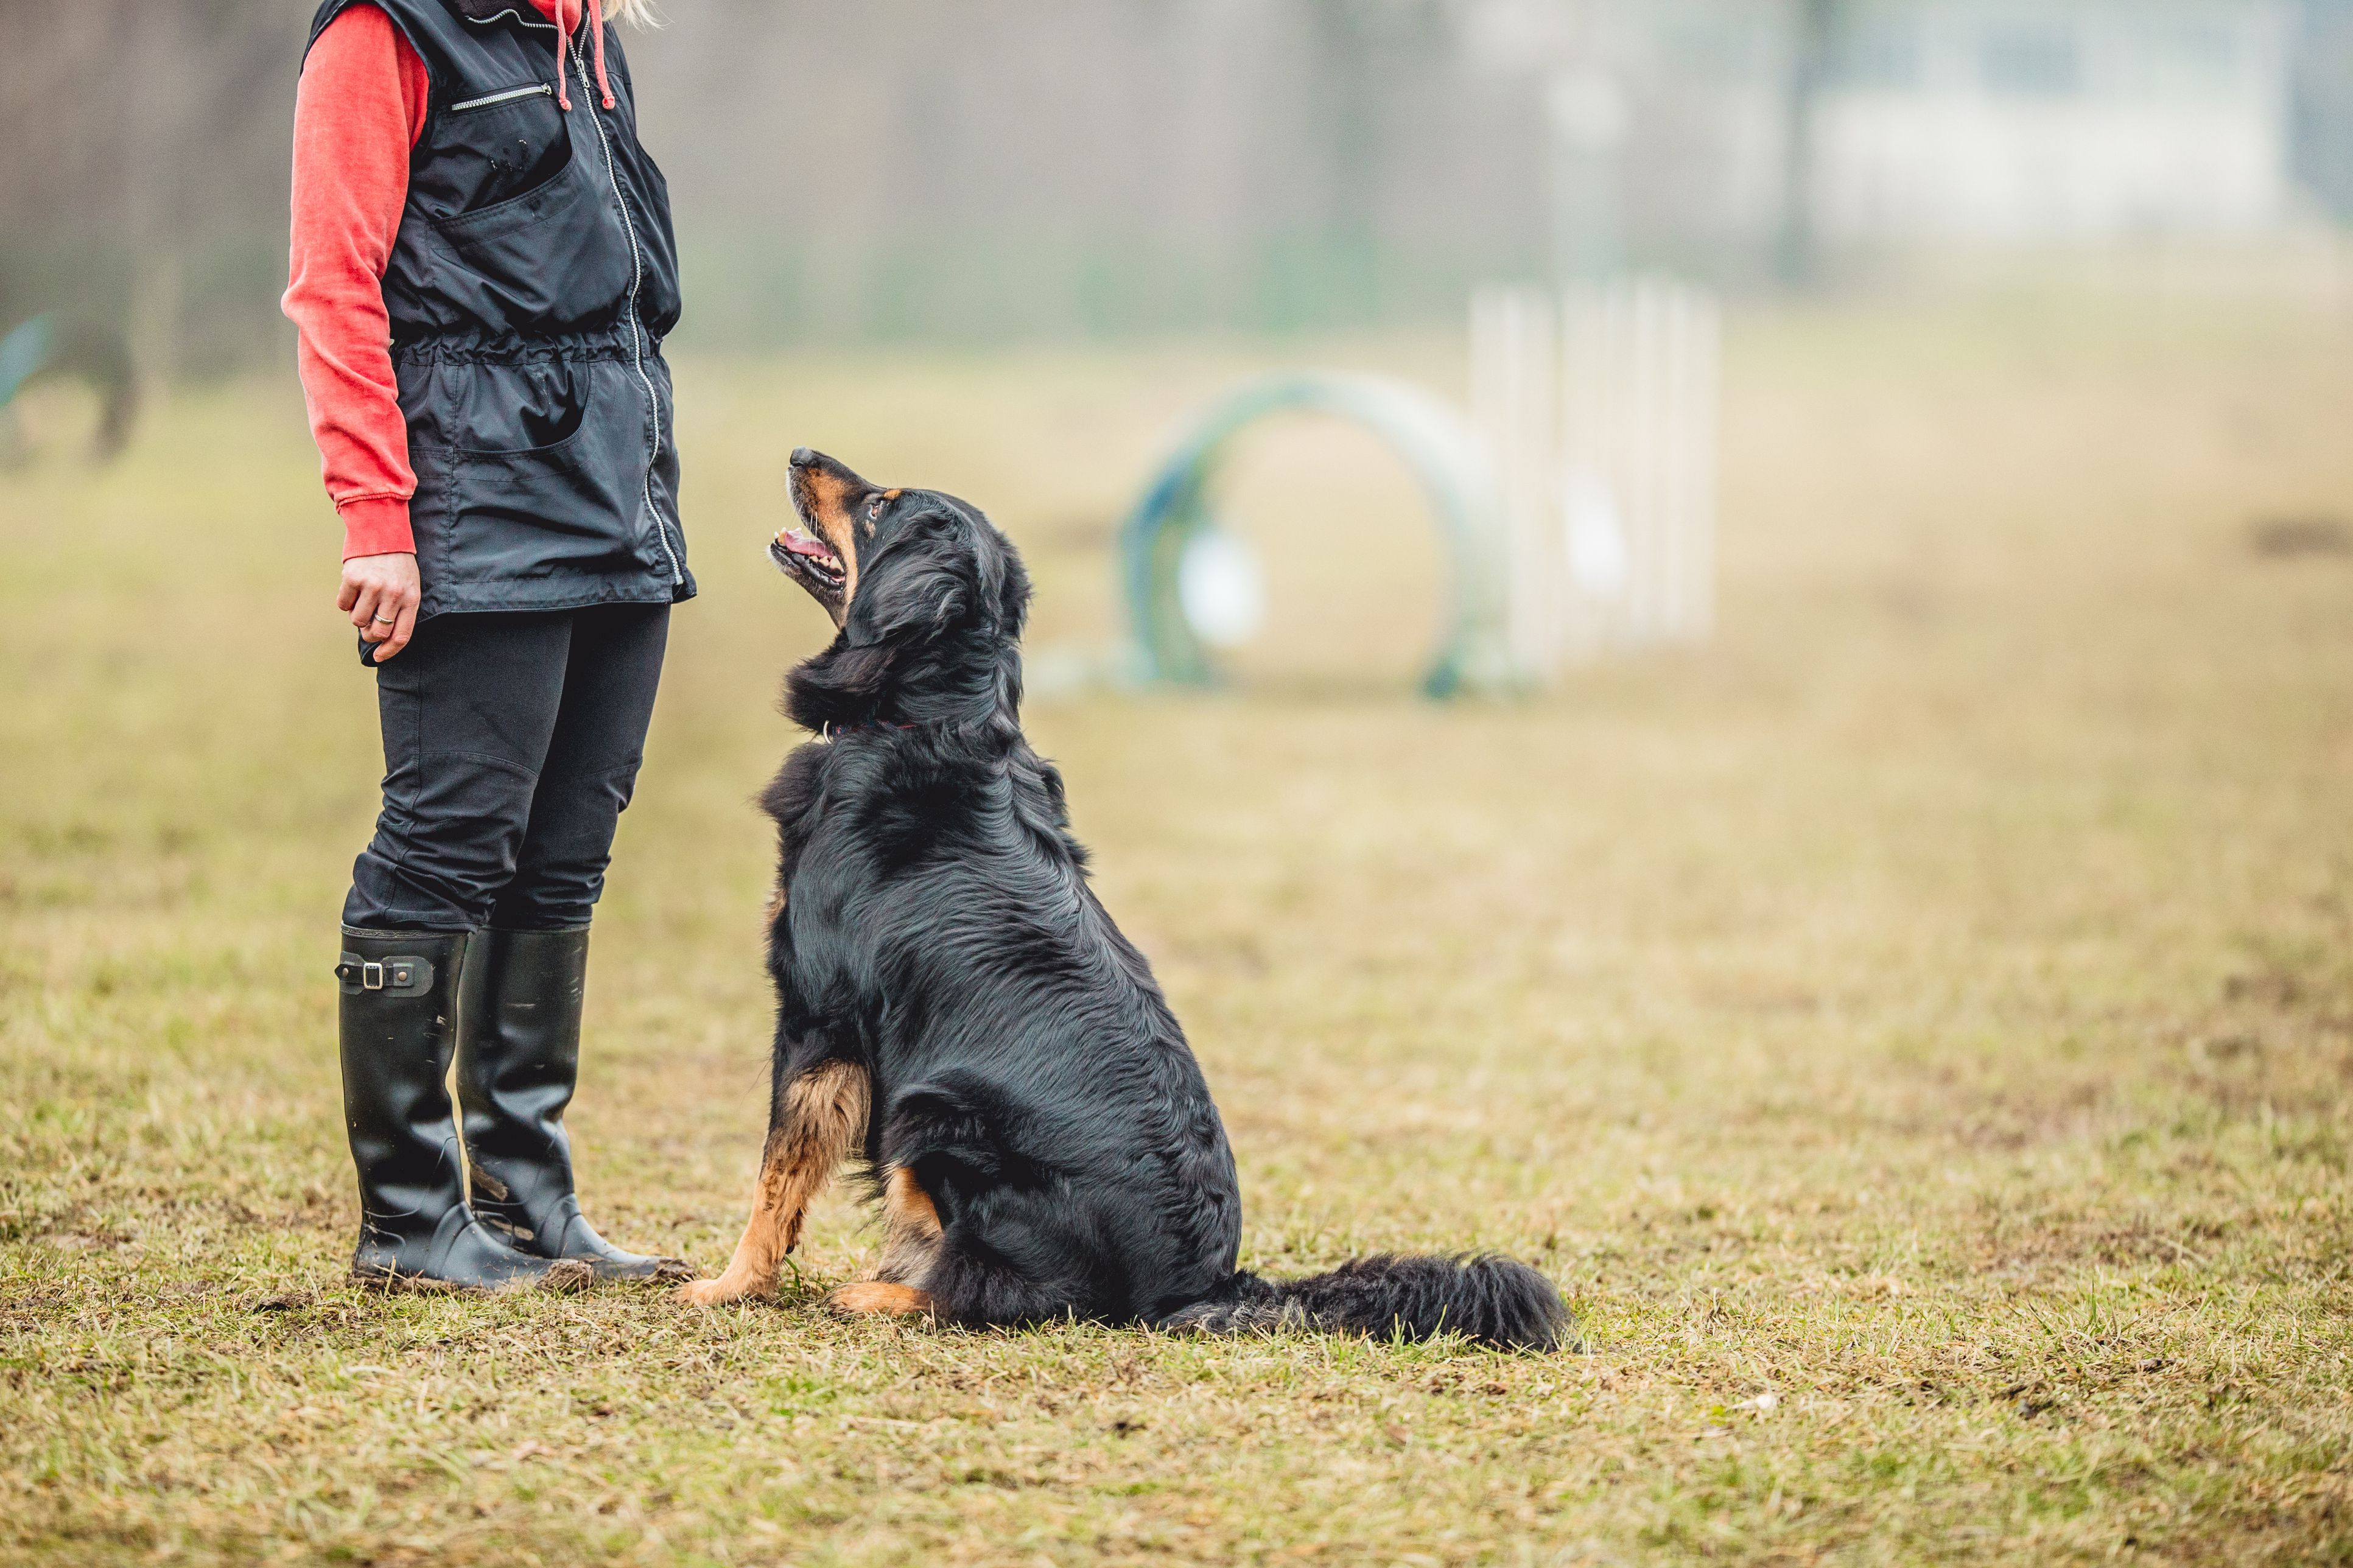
553, 260
491, 147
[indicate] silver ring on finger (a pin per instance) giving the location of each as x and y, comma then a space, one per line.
386, 620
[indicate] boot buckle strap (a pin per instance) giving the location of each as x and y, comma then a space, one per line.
395, 976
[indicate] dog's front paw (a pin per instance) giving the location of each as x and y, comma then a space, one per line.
713, 1292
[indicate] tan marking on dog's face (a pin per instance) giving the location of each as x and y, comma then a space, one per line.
828, 499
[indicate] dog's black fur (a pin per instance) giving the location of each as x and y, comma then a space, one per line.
936, 929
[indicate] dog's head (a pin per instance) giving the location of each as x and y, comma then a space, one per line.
926, 595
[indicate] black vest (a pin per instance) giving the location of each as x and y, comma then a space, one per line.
532, 283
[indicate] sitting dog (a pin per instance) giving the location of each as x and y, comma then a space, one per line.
957, 1009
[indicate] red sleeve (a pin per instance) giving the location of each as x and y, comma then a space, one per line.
359, 109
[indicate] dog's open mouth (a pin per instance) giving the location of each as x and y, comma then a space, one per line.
810, 559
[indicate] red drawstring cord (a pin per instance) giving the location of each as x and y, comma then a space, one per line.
563, 33
562, 99
596, 22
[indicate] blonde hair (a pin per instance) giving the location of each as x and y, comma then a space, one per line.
638, 13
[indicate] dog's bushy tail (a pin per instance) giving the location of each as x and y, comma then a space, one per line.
1496, 1301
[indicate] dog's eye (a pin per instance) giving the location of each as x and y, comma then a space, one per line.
874, 508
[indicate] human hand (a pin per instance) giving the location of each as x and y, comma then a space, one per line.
381, 593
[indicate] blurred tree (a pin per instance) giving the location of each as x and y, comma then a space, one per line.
1814, 35
143, 169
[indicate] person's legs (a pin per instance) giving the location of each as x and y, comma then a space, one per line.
520, 1054
593, 751
467, 710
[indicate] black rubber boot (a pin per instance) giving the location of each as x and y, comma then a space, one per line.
398, 1017
518, 1057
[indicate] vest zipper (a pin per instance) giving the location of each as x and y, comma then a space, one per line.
511, 11
537, 89
636, 333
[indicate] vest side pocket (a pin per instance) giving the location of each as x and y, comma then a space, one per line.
491, 408
530, 528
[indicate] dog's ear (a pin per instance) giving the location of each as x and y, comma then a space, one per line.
1001, 585
925, 583
911, 601
991, 556
1004, 580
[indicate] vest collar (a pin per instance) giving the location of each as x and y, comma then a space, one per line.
561, 18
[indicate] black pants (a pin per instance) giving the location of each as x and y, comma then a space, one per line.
510, 747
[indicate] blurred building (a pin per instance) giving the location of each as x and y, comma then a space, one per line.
2323, 133
1028, 167
1898, 124
2013, 122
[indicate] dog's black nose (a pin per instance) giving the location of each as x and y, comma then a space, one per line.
803, 456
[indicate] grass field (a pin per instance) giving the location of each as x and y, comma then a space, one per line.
1916, 1031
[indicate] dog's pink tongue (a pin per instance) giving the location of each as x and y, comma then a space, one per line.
800, 544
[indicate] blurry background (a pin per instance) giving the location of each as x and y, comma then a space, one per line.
1324, 184
860, 171
1932, 983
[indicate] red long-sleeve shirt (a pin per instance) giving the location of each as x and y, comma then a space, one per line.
359, 109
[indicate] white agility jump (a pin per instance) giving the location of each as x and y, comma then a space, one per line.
1598, 406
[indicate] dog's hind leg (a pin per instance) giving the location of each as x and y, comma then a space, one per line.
911, 1244
819, 1118
911, 1229
879, 1298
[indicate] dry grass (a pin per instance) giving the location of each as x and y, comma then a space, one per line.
1916, 1031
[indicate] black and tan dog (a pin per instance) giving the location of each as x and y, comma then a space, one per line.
955, 1009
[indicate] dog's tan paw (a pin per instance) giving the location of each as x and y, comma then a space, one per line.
711, 1293
871, 1296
